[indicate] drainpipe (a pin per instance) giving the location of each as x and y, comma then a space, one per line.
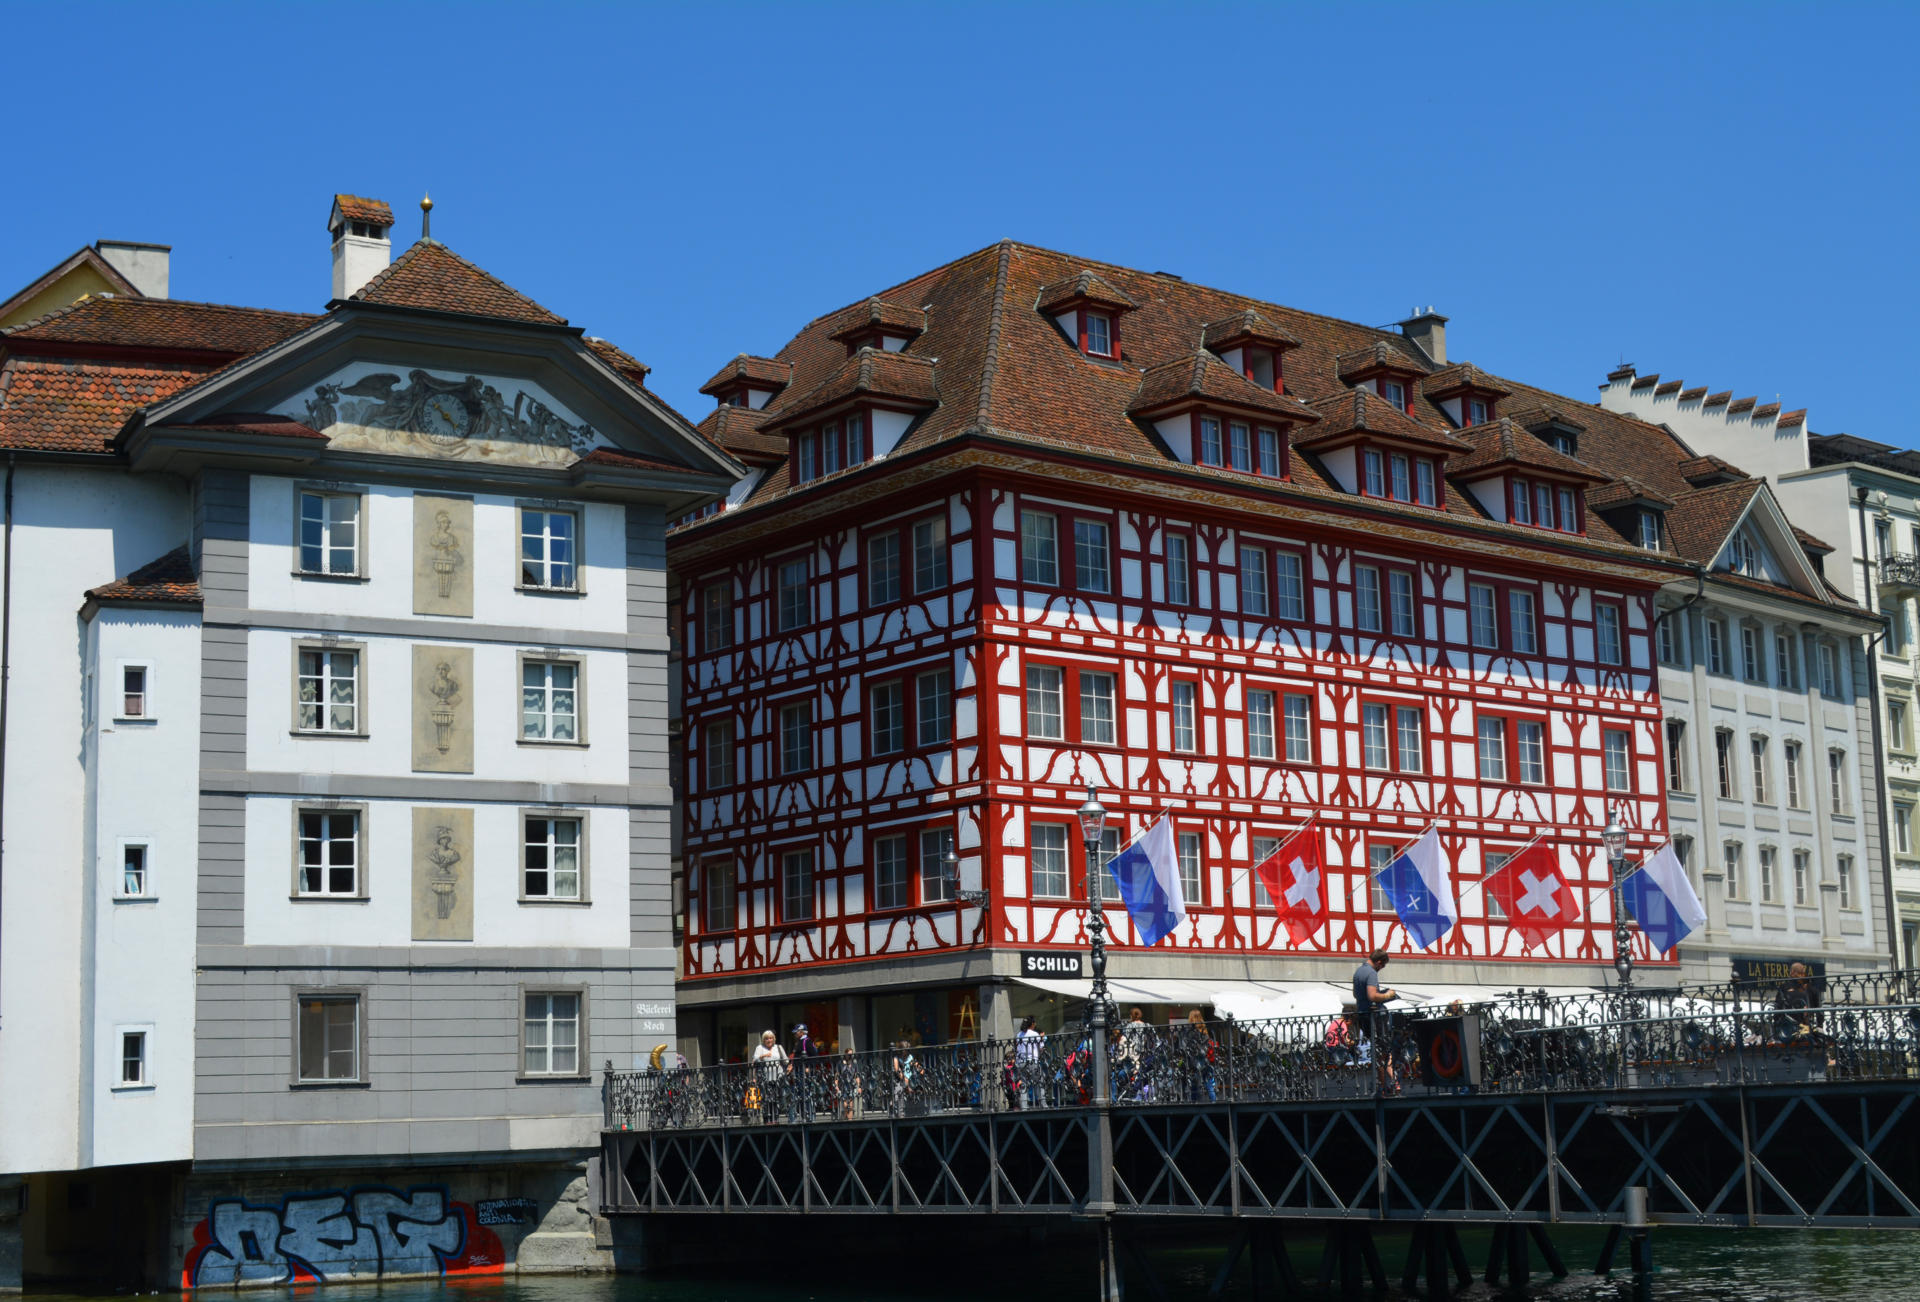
6, 665
1879, 745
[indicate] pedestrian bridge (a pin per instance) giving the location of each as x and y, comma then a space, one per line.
1706, 1106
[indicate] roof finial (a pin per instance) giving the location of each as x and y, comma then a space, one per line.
426, 216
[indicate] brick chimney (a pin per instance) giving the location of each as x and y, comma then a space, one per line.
144, 265
361, 249
1428, 329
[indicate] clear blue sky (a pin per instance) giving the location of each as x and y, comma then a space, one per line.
1721, 193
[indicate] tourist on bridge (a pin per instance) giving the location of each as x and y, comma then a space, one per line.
1028, 1052
772, 1065
1201, 1052
1369, 1002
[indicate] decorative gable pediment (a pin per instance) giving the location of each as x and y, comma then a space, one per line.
370, 407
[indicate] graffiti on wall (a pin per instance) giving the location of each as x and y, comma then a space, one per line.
365, 1232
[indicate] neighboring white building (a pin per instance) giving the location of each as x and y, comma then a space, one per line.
1861, 499
336, 814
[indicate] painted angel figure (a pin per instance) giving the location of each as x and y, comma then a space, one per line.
446, 554
443, 857
445, 689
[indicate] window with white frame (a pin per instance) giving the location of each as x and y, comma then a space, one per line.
1829, 672
1491, 739
929, 555
329, 849
1187, 844
1790, 753
1716, 646
1843, 880
1676, 755
1039, 548
1752, 667
936, 881
1099, 333
1530, 748
1769, 862
717, 750
1253, 581
549, 549
1373, 735
1616, 746
1046, 719
716, 616
1210, 442
552, 1034
1730, 865
1091, 557
1179, 570
1400, 599
1047, 874
1298, 708
1483, 615
1648, 529
550, 866
1837, 781
1783, 673
1903, 827
796, 738
1240, 445
1183, 693
133, 691
133, 1057
1260, 737
1408, 739
1366, 597
1607, 644
550, 700
1379, 858
1523, 634
796, 886
1802, 875
719, 894
1757, 747
1492, 862
892, 882
794, 595
327, 1038
883, 568
1666, 645
1097, 708
1897, 735
1724, 761
1263, 848
1289, 586
329, 533
328, 690
134, 882
933, 713
886, 718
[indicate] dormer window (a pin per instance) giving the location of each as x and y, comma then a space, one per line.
1744, 558
1394, 392
1479, 411
1259, 364
1563, 441
1239, 445
1649, 530
1096, 334
833, 446
1547, 506
1399, 477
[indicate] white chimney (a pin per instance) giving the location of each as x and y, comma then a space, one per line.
144, 265
1428, 329
361, 250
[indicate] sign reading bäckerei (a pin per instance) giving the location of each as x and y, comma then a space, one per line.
1050, 963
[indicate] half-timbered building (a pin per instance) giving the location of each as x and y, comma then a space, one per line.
1029, 524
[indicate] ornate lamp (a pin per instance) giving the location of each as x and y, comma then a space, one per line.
1614, 838
1093, 821
950, 864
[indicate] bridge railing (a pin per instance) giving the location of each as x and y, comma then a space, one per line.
1704, 1036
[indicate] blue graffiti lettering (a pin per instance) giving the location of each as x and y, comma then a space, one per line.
368, 1231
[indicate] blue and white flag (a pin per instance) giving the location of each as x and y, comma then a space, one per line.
1416, 882
1148, 875
1662, 901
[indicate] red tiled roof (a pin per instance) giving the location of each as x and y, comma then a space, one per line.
1380, 355
159, 323
1204, 375
1718, 399
738, 430
1700, 520
429, 275
355, 209
1088, 285
1350, 413
1693, 395
1810, 542
1459, 378
871, 372
760, 372
1250, 326
1536, 415
58, 405
1703, 471
254, 422
1744, 404
620, 360
1791, 418
896, 318
1646, 381
169, 581
1503, 442
1765, 410
1625, 489
620, 457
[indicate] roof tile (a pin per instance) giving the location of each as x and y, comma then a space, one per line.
429, 275
168, 581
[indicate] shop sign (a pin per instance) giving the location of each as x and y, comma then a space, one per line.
1050, 963
1774, 969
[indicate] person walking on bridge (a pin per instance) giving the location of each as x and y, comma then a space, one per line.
1369, 1002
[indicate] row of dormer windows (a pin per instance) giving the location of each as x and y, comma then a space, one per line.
830, 447
1237, 445
1400, 477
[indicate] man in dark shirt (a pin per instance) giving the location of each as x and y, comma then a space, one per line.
1369, 1016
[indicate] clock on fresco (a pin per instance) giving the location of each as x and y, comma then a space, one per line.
444, 417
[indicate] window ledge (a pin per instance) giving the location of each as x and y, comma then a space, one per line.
136, 899
143, 1087
534, 590
329, 578
326, 736
541, 900
553, 1080
298, 898
330, 1085
543, 742
134, 719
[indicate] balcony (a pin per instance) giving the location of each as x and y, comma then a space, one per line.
1900, 575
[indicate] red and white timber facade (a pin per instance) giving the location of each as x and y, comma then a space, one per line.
950, 637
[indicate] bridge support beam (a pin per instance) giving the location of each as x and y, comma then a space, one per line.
1109, 1283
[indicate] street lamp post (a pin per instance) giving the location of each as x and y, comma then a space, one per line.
950, 865
1614, 838
1093, 821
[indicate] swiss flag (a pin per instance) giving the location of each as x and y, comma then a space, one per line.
1297, 884
1537, 897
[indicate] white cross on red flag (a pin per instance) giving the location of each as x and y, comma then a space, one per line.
1297, 884
1535, 893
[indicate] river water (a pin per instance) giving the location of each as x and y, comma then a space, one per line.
1691, 1266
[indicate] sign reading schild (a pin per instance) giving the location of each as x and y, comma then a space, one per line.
1051, 963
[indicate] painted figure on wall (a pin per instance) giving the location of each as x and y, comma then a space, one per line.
446, 553
445, 880
446, 693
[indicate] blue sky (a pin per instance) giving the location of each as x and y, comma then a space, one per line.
1720, 193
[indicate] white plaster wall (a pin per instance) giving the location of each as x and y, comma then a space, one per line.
1178, 433
1340, 464
73, 529
888, 427
146, 790
387, 589
385, 917
1758, 447
387, 749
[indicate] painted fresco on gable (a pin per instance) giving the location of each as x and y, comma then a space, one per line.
427, 415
